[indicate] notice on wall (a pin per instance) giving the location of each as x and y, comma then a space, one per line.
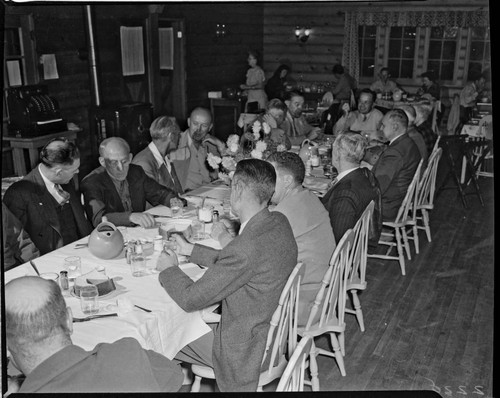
132, 46
166, 36
49, 66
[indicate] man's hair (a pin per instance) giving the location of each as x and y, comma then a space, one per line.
162, 127
410, 111
422, 110
351, 146
276, 103
337, 69
59, 151
104, 144
36, 323
258, 176
291, 163
385, 69
398, 116
368, 91
290, 94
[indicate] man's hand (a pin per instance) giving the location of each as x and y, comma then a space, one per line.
315, 133
183, 247
144, 220
218, 228
166, 260
271, 121
221, 147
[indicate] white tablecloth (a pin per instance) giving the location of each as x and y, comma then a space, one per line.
166, 329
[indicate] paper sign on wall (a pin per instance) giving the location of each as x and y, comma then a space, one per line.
132, 50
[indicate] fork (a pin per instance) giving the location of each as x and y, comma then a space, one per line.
88, 318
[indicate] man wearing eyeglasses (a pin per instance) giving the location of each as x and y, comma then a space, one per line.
119, 190
46, 202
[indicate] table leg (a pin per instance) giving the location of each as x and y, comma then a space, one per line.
464, 166
18, 158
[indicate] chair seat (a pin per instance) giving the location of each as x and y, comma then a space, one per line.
316, 330
425, 206
356, 284
203, 371
400, 224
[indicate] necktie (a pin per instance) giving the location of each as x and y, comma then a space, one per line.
62, 193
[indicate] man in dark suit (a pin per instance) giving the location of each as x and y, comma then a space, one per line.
353, 189
397, 164
247, 276
46, 202
119, 190
154, 158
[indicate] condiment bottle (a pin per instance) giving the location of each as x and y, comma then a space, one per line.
63, 280
215, 216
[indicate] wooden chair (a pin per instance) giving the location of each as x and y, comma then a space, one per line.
405, 218
293, 376
425, 192
328, 310
357, 274
281, 338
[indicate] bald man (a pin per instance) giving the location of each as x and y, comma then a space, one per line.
38, 328
46, 202
190, 157
119, 190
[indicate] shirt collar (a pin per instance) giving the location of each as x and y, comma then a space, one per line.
49, 184
345, 172
395, 138
157, 155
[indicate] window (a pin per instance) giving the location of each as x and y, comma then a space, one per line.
14, 57
401, 55
442, 52
367, 36
479, 50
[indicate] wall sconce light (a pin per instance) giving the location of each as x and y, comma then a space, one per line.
302, 34
220, 30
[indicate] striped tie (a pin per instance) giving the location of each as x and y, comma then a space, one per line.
62, 193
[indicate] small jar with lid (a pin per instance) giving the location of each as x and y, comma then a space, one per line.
63, 280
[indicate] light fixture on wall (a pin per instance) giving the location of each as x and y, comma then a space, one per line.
220, 30
302, 33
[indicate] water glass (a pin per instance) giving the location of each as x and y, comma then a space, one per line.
197, 227
88, 299
138, 264
73, 265
176, 207
226, 206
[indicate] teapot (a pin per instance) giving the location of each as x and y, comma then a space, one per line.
106, 241
307, 149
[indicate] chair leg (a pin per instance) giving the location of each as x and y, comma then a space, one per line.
357, 307
196, 386
406, 243
313, 368
415, 239
400, 252
338, 353
425, 219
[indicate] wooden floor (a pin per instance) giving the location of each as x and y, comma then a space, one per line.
433, 328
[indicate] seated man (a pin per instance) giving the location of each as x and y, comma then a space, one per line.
295, 124
274, 117
366, 120
383, 84
415, 134
46, 202
310, 225
353, 189
397, 164
119, 190
247, 276
190, 157
38, 328
430, 86
423, 125
154, 159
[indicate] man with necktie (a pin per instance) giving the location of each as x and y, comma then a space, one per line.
119, 190
295, 124
154, 158
46, 202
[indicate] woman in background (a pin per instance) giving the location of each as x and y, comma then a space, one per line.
255, 83
275, 87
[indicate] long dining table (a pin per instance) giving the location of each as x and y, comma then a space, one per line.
144, 309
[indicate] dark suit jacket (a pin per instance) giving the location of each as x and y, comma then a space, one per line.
347, 200
102, 199
248, 276
33, 205
394, 171
147, 161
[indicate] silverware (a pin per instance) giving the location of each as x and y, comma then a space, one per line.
81, 245
34, 267
142, 308
93, 317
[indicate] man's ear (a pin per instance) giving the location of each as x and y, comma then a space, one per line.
288, 179
102, 162
287, 103
189, 122
130, 156
69, 320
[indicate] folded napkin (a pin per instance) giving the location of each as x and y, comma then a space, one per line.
103, 283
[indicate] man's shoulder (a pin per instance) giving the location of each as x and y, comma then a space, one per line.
143, 156
378, 114
94, 176
29, 182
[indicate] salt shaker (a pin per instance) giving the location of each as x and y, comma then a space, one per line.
63, 280
215, 216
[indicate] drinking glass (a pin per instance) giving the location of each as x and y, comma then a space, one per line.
197, 227
138, 264
73, 265
176, 207
205, 215
88, 299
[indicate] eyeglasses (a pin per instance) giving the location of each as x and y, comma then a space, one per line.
114, 163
